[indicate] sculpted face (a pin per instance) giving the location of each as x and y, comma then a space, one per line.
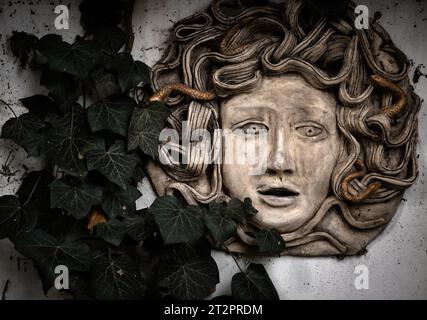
302, 146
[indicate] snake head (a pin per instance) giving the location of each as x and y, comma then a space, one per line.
377, 79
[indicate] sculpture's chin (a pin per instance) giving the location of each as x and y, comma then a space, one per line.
283, 215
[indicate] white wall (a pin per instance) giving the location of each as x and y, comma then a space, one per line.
397, 260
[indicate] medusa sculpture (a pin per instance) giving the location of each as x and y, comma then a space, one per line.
335, 104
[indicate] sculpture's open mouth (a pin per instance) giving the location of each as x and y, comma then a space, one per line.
278, 196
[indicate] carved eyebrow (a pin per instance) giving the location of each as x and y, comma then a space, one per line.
310, 107
245, 120
249, 107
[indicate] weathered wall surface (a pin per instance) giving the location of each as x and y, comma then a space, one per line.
397, 260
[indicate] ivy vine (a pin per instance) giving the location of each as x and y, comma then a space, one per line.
79, 211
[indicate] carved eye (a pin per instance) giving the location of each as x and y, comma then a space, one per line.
309, 131
253, 128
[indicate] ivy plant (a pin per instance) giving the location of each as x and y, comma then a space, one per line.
97, 129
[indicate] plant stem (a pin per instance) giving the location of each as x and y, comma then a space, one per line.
6, 286
34, 189
233, 256
9, 107
128, 25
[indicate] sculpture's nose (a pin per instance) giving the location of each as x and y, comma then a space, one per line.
281, 158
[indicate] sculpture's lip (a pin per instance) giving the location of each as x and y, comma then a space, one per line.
278, 196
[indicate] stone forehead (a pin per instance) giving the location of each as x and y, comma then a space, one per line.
292, 86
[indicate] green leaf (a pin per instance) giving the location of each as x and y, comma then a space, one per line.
22, 44
39, 105
77, 198
25, 131
130, 72
112, 231
189, 280
139, 173
116, 278
71, 120
109, 38
270, 241
95, 13
145, 127
34, 189
87, 142
63, 146
15, 218
104, 81
76, 59
115, 164
120, 202
112, 113
63, 150
220, 226
63, 87
135, 227
48, 252
65, 228
177, 223
254, 284
48, 41
239, 211
248, 208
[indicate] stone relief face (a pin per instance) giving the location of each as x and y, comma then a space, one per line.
334, 105
302, 150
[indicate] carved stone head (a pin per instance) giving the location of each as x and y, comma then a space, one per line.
327, 109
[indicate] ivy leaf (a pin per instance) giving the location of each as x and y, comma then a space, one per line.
221, 227
63, 150
76, 59
270, 241
135, 227
145, 127
254, 284
177, 223
112, 231
24, 130
87, 142
48, 252
116, 278
15, 218
48, 41
239, 211
120, 202
62, 144
130, 73
39, 105
34, 189
112, 113
189, 280
71, 121
63, 87
138, 174
104, 81
95, 13
22, 44
109, 38
77, 198
77, 285
248, 208
64, 228
115, 164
